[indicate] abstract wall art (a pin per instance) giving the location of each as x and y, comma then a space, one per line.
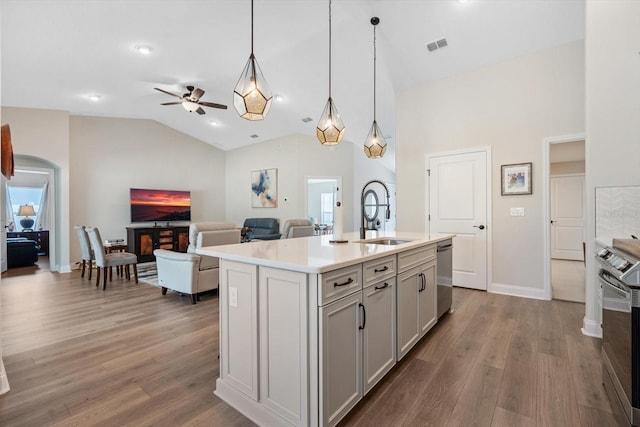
264, 188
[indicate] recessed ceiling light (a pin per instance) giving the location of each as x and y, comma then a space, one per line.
143, 49
213, 123
278, 98
94, 98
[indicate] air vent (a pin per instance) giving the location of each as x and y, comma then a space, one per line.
307, 119
254, 136
438, 44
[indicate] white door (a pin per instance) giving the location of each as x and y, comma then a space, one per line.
567, 217
3, 225
458, 205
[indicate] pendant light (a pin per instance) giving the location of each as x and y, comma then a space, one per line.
330, 129
252, 96
375, 146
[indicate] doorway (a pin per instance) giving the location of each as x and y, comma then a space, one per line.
33, 187
323, 192
564, 183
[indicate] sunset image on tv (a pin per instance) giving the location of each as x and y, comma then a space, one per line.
160, 205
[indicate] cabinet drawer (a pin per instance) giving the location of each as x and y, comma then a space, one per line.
338, 283
410, 259
378, 269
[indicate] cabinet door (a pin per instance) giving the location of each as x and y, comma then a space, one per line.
182, 239
427, 298
145, 244
239, 319
341, 357
379, 333
408, 331
283, 343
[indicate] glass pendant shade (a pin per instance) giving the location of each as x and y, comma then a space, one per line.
252, 96
375, 145
330, 128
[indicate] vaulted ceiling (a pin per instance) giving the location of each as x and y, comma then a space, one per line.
56, 53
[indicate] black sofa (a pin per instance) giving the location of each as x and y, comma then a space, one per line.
21, 252
261, 229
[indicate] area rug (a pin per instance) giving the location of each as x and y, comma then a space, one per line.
148, 273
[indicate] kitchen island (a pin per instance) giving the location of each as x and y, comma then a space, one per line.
308, 327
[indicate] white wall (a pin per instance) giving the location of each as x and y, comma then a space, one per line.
612, 109
110, 156
295, 157
510, 106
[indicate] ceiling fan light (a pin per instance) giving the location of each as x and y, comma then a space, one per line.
330, 129
375, 145
190, 106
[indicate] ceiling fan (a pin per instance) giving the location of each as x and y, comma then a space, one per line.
191, 100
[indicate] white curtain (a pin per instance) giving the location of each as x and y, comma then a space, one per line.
42, 219
9, 207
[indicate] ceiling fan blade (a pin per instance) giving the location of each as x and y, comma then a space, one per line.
168, 93
197, 94
213, 105
200, 111
171, 103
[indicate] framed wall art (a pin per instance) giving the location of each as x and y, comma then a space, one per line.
516, 179
264, 188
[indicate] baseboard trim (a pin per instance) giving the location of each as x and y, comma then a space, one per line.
517, 291
4, 381
591, 328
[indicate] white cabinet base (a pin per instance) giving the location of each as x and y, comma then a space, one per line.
251, 409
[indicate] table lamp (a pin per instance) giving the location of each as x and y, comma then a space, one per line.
26, 222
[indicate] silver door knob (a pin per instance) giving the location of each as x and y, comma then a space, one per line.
481, 227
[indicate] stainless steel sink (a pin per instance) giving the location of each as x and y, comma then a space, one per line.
386, 241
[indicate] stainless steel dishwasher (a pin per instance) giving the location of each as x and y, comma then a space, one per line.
445, 273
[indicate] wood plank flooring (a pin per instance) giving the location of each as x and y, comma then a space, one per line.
77, 355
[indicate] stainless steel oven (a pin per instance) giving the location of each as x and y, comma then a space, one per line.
621, 333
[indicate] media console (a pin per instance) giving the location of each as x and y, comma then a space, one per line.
143, 240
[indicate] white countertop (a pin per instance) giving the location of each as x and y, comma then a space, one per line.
316, 254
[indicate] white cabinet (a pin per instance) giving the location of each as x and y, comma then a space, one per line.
301, 349
417, 305
379, 333
341, 357
239, 327
282, 298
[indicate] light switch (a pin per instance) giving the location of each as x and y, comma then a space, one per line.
517, 211
233, 296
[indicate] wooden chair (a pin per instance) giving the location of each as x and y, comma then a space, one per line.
85, 248
108, 260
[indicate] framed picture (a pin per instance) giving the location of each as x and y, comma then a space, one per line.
264, 188
516, 179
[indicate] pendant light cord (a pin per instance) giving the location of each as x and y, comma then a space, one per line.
374, 73
329, 49
251, 27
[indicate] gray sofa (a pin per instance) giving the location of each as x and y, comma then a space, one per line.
261, 229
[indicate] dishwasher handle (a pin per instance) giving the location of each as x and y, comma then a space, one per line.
445, 247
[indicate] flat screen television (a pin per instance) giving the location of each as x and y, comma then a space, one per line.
159, 205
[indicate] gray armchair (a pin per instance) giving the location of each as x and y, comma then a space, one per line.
297, 228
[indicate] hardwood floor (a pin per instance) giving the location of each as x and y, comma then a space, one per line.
77, 355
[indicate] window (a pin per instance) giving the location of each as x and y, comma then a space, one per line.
326, 207
24, 196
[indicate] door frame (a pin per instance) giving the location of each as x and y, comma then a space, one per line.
489, 202
546, 205
337, 178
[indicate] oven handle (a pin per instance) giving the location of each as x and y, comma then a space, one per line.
615, 284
